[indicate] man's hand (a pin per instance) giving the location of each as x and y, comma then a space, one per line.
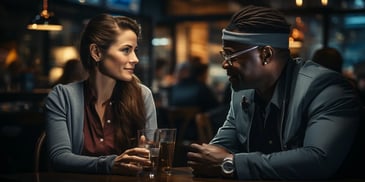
206, 159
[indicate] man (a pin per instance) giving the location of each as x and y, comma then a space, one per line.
288, 119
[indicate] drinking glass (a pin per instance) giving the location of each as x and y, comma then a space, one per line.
167, 148
149, 139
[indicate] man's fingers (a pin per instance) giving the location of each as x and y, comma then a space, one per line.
193, 164
196, 146
198, 158
194, 156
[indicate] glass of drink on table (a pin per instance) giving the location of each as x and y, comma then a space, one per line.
167, 149
149, 139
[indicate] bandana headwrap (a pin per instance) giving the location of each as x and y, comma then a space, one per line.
277, 40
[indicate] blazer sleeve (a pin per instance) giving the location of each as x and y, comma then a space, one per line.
229, 134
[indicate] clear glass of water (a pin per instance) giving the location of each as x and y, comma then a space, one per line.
149, 139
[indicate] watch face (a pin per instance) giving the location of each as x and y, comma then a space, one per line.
228, 167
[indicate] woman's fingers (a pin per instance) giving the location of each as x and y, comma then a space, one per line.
134, 156
138, 151
131, 166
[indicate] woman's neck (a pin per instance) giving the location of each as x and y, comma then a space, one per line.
102, 86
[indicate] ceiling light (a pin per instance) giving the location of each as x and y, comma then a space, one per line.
45, 20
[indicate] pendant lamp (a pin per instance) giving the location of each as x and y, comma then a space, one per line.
45, 21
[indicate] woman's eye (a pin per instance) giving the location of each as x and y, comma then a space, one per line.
126, 50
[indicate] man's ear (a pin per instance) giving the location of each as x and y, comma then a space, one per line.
95, 52
267, 52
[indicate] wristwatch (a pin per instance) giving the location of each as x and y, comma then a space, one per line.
228, 167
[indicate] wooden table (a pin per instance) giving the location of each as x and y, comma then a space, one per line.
178, 174
181, 174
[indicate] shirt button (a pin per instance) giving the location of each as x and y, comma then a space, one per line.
110, 103
108, 121
101, 139
270, 142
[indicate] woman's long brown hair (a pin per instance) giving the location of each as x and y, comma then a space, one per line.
130, 112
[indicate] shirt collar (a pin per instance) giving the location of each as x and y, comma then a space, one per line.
280, 88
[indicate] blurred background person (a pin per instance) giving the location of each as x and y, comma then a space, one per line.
162, 83
191, 88
72, 71
11, 68
332, 59
217, 115
162, 78
329, 57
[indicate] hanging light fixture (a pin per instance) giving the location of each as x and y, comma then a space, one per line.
45, 20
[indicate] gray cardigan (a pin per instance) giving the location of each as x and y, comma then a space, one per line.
320, 115
64, 128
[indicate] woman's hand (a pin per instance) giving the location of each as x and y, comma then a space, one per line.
206, 159
130, 162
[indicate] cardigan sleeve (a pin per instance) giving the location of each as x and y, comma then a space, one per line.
64, 133
151, 117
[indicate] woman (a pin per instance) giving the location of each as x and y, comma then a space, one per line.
91, 124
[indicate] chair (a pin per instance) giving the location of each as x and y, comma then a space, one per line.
38, 150
205, 130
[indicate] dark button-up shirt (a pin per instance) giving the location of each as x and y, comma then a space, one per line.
264, 134
98, 139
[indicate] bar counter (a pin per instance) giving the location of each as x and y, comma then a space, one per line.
179, 174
